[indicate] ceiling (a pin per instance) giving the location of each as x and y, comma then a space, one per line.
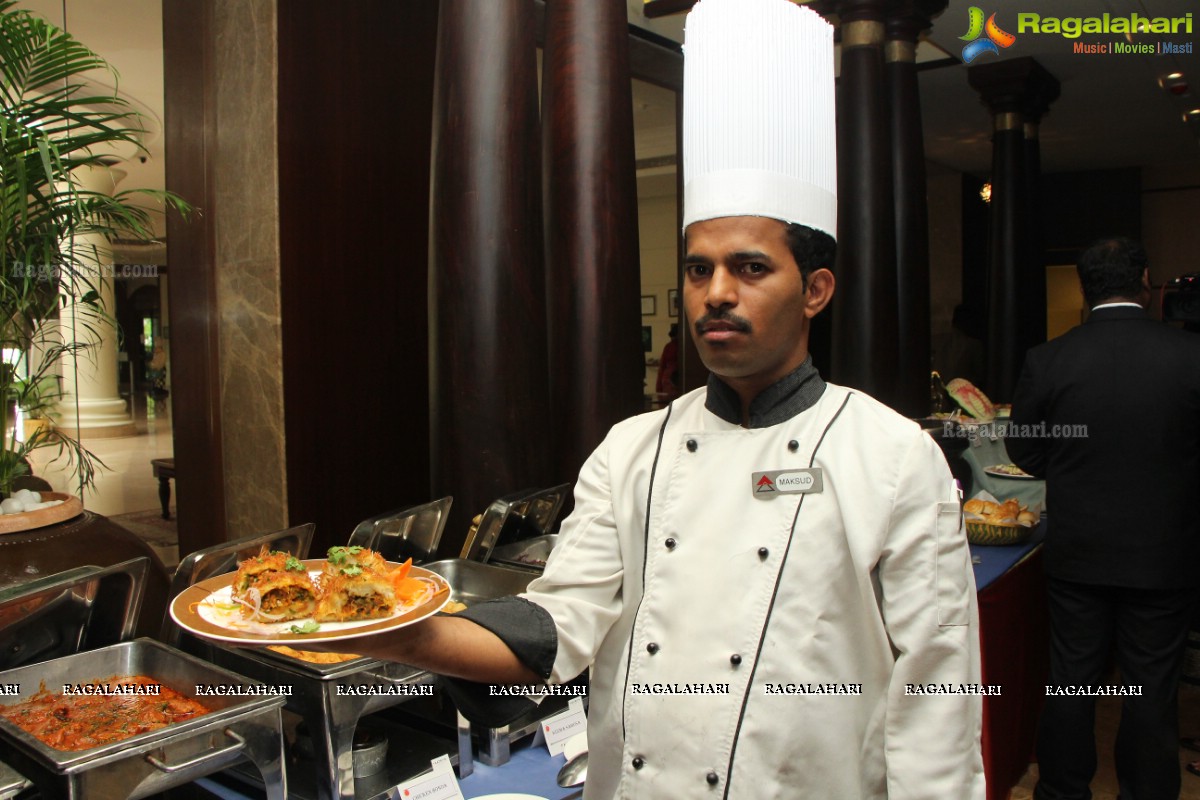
1111, 113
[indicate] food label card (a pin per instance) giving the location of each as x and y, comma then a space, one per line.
441, 785
561, 727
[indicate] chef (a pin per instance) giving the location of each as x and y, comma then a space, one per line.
769, 579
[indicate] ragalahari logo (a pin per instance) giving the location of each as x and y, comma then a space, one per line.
995, 38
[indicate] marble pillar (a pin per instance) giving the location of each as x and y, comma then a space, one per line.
245, 175
91, 406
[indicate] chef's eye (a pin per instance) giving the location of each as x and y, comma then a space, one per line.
698, 270
754, 268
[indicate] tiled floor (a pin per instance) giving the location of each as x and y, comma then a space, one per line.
127, 484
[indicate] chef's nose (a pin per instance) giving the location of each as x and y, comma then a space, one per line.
722, 288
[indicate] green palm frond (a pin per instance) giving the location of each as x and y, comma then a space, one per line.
54, 121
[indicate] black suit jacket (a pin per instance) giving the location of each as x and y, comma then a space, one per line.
1123, 500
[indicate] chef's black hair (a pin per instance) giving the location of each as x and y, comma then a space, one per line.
1111, 268
812, 249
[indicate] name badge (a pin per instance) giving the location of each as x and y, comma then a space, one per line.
787, 481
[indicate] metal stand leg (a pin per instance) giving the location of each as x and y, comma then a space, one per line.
497, 747
466, 757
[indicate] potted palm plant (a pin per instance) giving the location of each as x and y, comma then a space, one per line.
56, 124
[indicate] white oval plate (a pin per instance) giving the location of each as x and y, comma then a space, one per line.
575, 745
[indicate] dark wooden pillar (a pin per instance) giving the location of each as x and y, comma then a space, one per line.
1033, 325
353, 315
865, 327
1007, 88
592, 260
904, 26
487, 332
190, 130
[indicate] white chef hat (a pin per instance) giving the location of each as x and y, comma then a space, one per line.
758, 114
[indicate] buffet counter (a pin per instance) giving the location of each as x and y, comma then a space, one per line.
1013, 643
531, 771
1012, 628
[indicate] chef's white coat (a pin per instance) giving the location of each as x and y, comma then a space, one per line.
673, 575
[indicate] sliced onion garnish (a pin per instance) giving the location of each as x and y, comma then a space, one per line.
252, 599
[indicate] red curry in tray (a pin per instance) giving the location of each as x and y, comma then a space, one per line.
100, 712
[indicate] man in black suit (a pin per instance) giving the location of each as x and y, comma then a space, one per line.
1122, 553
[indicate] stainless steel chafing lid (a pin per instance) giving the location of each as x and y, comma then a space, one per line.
413, 532
84, 607
521, 515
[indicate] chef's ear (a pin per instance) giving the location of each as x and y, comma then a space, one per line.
820, 291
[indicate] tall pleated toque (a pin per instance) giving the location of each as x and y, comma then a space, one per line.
758, 113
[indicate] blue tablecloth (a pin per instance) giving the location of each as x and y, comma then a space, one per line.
531, 770
995, 560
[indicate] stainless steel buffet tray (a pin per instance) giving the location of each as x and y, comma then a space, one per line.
319, 690
12, 783
237, 726
472, 582
331, 713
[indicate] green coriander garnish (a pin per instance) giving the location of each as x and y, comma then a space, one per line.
310, 626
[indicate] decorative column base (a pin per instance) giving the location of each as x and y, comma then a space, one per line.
98, 419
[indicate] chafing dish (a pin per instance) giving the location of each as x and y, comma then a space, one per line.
12, 783
473, 582
316, 700
79, 609
326, 771
529, 554
412, 532
319, 699
58, 615
237, 727
513, 518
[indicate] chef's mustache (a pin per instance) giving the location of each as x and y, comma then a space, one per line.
740, 324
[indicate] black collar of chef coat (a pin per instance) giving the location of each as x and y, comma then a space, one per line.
797, 391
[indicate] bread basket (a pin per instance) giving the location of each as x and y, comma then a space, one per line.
982, 530
989, 533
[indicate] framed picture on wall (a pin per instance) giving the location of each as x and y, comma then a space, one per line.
673, 302
649, 306
647, 339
